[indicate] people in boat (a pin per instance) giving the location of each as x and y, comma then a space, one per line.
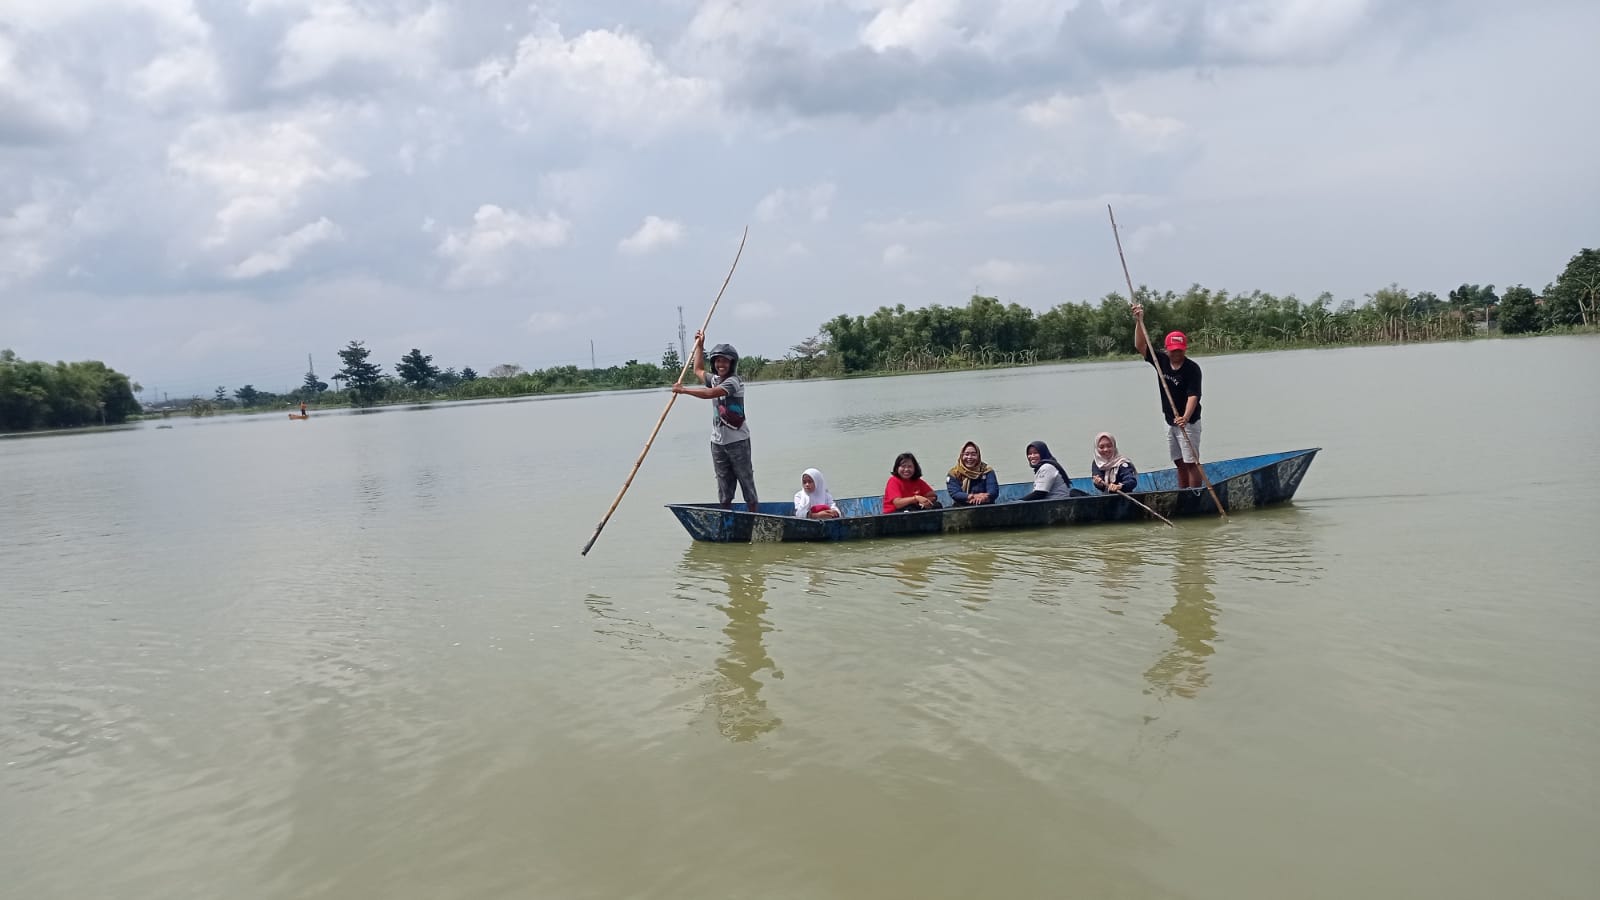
302, 409
813, 501
1112, 472
972, 481
1050, 481
906, 490
730, 433
1182, 379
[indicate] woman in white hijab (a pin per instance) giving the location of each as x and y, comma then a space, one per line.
813, 501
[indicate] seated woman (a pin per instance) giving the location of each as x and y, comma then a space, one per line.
906, 490
972, 482
813, 501
1050, 481
1112, 471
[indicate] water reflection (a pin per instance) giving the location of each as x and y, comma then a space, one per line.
1120, 559
634, 634
742, 713
912, 571
880, 420
977, 568
1181, 671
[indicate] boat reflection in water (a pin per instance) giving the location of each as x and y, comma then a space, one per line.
1181, 670
742, 713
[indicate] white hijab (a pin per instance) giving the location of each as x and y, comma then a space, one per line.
819, 497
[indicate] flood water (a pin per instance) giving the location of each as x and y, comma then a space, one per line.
360, 656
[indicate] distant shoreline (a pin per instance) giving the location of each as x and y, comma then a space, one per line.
183, 412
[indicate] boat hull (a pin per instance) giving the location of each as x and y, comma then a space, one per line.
1244, 483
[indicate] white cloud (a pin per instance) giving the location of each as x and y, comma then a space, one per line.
903, 227
920, 26
1053, 111
1143, 236
610, 80
26, 235
1003, 272
336, 34
1065, 207
175, 18
1146, 129
754, 310
653, 234
896, 255
281, 253
1285, 29
784, 204
259, 169
549, 322
485, 251
186, 74
38, 101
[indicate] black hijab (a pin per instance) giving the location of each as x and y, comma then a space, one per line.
1046, 457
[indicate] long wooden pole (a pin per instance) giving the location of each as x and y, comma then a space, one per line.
1147, 509
670, 400
1166, 390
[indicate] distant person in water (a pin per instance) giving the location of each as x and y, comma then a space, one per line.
1112, 472
1182, 377
1050, 481
906, 490
972, 481
813, 501
730, 434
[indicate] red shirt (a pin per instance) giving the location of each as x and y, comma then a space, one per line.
899, 487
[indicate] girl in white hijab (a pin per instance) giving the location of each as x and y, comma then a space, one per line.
813, 501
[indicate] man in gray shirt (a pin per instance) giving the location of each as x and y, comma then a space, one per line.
730, 434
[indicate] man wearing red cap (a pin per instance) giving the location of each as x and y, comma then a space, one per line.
1182, 376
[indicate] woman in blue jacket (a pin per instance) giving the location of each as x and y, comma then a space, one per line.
972, 482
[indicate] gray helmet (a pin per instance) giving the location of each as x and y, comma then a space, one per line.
728, 351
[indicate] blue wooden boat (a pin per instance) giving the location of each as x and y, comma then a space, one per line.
1243, 483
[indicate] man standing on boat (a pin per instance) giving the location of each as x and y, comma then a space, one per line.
730, 434
1182, 377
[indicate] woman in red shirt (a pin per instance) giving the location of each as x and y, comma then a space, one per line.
906, 490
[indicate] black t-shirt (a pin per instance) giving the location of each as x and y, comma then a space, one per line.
1184, 382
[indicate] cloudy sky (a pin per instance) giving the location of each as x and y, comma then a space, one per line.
201, 192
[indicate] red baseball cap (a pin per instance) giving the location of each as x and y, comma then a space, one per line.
1176, 341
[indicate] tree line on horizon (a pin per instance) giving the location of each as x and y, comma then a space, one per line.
984, 332
987, 332
36, 395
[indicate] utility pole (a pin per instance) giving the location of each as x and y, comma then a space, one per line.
683, 337
310, 367
591, 354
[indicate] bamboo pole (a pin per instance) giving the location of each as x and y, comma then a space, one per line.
670, 400
1147, 509
1166, 390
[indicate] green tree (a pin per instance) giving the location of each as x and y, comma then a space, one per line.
1575, 297
1393, 300
221, 396
364, 378
248, 396
671, 361
416, 369
1476, 300
311, 387
1519, 311
469, 374
64, 395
